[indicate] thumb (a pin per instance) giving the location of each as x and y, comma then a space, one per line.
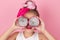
37, 29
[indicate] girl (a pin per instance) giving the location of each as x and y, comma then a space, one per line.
28, 33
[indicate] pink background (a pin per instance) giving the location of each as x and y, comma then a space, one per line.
48, 9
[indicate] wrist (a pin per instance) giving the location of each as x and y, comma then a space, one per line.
44, 31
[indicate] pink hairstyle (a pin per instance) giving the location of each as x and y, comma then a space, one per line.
28, 5
22, 11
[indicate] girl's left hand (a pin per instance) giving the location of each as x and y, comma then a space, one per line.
41, 27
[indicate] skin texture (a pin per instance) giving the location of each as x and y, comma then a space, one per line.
14, 35
43, 35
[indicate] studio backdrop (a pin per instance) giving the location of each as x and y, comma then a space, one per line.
49, 11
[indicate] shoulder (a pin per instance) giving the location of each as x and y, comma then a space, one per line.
42, 36
13, 36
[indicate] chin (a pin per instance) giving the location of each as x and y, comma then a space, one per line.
29, 30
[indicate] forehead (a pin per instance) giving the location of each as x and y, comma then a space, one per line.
29, 15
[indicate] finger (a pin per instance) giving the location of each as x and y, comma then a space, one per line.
20, 29
40, 18
37, 28
14, 21
42, 23
17, 27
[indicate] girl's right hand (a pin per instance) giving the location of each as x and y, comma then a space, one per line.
14, 26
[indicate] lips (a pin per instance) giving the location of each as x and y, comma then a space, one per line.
29, 27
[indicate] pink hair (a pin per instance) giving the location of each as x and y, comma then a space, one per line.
22, 11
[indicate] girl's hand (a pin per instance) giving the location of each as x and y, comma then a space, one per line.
14, 26
41, 27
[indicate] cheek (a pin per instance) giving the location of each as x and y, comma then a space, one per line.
19, 30
35, 30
